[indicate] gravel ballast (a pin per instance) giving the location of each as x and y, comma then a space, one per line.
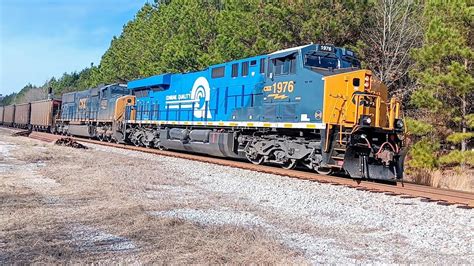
326, 223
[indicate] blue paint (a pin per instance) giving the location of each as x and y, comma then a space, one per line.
198, 96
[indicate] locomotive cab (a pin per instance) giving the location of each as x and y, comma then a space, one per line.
323, 86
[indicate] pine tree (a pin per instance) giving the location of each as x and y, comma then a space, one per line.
444, 74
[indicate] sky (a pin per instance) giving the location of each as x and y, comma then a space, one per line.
40, 39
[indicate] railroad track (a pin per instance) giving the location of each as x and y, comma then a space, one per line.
404, 190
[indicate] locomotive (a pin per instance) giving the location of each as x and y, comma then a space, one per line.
311, 106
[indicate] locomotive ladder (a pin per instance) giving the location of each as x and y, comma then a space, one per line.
339, 147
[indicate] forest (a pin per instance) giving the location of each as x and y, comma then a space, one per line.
422, 50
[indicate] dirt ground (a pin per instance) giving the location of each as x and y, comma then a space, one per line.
59, 204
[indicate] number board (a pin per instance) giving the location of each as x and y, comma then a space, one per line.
326, 48
279, 90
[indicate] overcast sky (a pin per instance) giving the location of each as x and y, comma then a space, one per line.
44, 38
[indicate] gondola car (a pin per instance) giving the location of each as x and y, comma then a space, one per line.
21, 118
1, 114
8, 115
44, 114
310, 105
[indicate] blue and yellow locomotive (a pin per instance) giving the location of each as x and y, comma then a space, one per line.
310, 105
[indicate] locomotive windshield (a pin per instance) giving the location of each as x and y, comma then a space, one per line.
120, 90
349, 61
321, 60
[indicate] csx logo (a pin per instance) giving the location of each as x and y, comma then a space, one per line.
82, 103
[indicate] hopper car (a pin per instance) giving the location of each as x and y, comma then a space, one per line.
37, 115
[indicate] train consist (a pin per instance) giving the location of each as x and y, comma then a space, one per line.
310, 105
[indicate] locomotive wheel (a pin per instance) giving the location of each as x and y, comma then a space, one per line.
146, 144
257, 159
290, 164
323, 170
136, 142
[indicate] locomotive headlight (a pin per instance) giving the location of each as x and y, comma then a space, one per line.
399, 123
366, 120
367, 82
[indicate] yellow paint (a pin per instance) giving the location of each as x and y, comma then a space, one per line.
233, 124
278, 90
311, 126
343, 108
267, 124
199, 123
120, 106
250, 124
288, 125
277, 96
221, 123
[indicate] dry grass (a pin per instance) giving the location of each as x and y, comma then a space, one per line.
42, 207
456, 179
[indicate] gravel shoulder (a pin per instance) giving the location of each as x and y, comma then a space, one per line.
59, 204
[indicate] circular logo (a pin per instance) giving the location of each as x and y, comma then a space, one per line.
201, 93
318, 115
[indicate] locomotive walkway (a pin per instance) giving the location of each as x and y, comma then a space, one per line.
404, 190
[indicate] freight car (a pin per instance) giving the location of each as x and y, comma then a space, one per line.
38, 115
90, 113
43, 115
1, 114
310, 105
22, 115
9, 115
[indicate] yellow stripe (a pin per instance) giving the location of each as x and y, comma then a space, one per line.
267, 125
199, 123
250, 124
311, 126
210, 123
288, 125
233, 124
221, 123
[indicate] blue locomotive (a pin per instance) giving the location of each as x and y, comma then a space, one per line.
310, 105
90, 113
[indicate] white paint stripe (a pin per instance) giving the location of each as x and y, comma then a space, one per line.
181, 101
182, 106
236, 124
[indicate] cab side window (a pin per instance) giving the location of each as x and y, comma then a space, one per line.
283, 65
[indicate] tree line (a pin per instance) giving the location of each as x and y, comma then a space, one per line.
423, 51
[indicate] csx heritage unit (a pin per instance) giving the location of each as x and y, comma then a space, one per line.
310, 106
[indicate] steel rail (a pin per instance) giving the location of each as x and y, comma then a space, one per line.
402, 189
